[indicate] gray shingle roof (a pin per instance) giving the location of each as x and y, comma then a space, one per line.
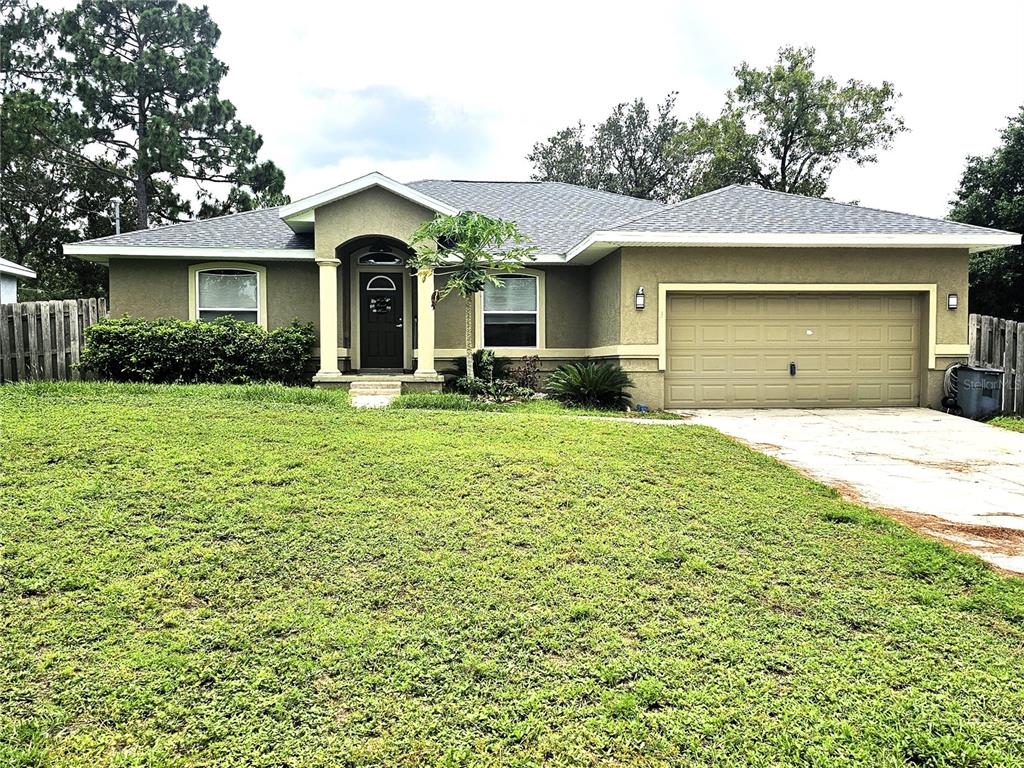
753, 210
557, 216
554, 215
252, 229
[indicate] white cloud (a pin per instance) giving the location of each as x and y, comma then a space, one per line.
497, 78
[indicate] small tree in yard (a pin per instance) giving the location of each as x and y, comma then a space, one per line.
468, 249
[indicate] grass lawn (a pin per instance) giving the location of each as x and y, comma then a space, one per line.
1014, 423
250, 576
456, 402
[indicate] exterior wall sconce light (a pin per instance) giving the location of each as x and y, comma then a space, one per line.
952, 301
641, 298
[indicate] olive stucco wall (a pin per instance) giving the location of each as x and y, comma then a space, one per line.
373, 212
566, 301
152, 288
605, 292
649, 267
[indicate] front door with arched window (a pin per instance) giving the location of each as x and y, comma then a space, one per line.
381, 335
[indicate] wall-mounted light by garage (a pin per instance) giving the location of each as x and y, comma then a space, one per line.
952, 301
640, 298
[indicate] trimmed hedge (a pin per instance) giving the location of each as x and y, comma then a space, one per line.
171, 351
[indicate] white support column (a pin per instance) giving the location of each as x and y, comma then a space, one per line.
425, 324
328, 317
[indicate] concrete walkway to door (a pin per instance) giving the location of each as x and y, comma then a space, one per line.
946, 476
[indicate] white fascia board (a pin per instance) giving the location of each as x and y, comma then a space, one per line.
17, 270
167, 252
375, 179
616, 239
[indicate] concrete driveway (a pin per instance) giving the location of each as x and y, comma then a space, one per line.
948, 477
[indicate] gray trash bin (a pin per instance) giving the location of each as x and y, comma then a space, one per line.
979, 391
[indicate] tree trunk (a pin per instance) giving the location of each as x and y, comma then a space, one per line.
469, 337
141, 203
141, 170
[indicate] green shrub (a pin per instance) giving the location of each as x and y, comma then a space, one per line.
527, 373
445, 402
171, 351
486, 365
594, 385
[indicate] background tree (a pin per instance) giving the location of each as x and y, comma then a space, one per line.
786, 128
466, 250
632, 152
46, 198
991, 194
148, 84
65, 150
783, 128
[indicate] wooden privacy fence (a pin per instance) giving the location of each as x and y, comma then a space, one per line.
43, 340
998, 343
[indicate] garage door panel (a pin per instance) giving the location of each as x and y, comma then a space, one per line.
681, 333
777, 334
901, 334
850, 349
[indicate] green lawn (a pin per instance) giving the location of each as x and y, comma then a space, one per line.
255, 576
456, 402
1014, 423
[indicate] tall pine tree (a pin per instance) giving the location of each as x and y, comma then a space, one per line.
148, 82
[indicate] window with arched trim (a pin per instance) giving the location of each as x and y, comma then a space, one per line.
381, 283
510, 312
224, 292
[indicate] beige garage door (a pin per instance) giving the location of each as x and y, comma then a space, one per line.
852, 349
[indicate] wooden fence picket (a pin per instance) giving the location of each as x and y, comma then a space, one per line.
43, 340
999, 343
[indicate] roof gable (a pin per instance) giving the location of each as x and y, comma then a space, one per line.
299, 215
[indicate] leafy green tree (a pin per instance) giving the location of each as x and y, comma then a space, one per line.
148, 85
787, 128
46, 201
632, 152
467, 249
991, 194
257, 187
45, 190
783, 128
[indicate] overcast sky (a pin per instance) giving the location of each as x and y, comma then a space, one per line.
463, 90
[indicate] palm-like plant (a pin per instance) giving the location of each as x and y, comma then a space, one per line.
596, 385
468, 249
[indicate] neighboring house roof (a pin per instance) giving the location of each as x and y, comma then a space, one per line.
567, 222
8, 267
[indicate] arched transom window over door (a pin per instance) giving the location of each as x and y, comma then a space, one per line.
381, 283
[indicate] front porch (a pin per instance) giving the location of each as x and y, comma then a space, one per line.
382, 315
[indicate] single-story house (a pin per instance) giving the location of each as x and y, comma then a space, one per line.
9, 274
739, 297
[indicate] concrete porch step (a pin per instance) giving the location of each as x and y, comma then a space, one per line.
375, 387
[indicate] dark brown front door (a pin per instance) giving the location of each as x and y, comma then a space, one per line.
381, 335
